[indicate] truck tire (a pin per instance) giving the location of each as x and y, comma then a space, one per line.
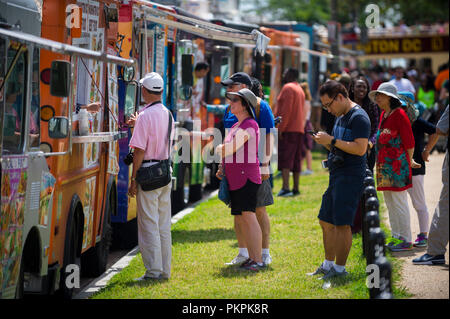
94, 261
180, 196
71, 257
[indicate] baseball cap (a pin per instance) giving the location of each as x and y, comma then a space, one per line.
239, 77
248, 96
152, 82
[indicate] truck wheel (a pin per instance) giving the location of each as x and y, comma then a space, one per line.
71, 257
195, 192
94, 261
180, 196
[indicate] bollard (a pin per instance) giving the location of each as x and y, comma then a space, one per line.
368, 181
368, 172
370, 191
372, 204
384, 289
372, 219
375, 245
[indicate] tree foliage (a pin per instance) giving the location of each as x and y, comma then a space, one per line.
319, 11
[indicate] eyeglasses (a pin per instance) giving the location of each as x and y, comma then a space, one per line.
326, 106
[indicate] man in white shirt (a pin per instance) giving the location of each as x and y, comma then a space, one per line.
401, 83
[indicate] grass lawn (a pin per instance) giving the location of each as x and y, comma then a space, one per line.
204, 240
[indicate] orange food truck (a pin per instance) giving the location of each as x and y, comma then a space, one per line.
59, 165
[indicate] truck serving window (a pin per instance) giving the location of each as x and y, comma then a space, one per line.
14, 91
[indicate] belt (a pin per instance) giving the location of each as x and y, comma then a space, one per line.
152, 161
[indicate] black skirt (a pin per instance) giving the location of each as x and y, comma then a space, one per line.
244, 198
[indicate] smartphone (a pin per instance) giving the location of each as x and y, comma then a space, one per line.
310, 132
325, 164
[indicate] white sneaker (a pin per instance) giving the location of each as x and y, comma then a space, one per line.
266, 259
239, 259
306, 172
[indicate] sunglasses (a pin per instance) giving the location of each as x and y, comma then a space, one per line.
326, 106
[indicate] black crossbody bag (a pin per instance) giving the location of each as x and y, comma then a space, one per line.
158, 175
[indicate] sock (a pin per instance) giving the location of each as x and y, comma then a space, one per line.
243, 252
327, 264
265, 251
339, 268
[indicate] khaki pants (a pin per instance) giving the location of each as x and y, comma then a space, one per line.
154, 223
438, 236
398, 209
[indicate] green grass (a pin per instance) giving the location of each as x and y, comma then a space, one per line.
204, 240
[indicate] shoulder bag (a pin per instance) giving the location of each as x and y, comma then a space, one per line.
157, 175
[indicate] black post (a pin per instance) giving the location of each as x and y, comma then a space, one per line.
370, 204
384, 291
375, 245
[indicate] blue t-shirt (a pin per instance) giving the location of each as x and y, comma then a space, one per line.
265, 122
265, 119
353, 125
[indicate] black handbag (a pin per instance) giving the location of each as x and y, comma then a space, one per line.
157, 175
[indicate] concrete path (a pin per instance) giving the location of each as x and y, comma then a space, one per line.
426, 282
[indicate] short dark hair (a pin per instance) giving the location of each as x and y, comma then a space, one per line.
333, 88
201, 66
256, 87
394, 103
291, 75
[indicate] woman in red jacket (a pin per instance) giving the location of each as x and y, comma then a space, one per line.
395, 148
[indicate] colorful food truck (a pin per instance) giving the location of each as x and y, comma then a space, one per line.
58, 187
171, 42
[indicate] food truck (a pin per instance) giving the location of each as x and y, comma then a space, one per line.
169, 41
58, 186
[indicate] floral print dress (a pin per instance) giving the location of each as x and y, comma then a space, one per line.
394, 138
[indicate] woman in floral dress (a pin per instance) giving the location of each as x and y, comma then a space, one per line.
395, 148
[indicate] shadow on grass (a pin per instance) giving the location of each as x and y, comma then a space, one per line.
202, 235
235, 272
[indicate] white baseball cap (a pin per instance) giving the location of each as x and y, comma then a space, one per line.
152, 82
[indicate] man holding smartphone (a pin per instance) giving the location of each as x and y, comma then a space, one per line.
347, 166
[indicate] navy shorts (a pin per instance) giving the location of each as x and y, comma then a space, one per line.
341, 199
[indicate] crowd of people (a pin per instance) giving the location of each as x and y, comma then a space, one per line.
370, 125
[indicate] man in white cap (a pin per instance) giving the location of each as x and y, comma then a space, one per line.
150, 144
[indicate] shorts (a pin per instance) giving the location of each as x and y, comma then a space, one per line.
290, 151
244, 198
340, 201
264, 196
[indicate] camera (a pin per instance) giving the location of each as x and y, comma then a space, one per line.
338, 157
128, 160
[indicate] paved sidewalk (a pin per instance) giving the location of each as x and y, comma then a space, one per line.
426, 282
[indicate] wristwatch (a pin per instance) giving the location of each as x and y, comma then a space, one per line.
333, 141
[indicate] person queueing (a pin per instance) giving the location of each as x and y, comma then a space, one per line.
308, 142
417, 192
359, 93
438, 236
395, 148
236, 82
290, 106
347, 167
239, 154
150, 144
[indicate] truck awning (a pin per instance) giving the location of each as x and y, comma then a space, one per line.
63, 48
300, 49
203, 28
